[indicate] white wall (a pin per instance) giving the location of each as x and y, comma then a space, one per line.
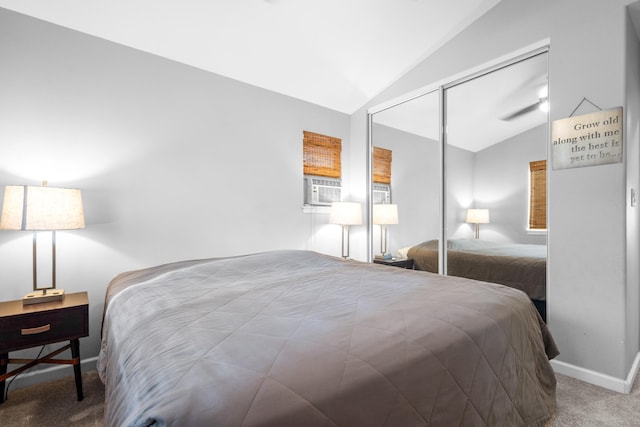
174, 163
501, 183
588, 283
460, 188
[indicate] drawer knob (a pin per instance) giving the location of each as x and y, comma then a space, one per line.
37, 330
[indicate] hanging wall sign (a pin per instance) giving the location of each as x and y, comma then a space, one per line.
587, 140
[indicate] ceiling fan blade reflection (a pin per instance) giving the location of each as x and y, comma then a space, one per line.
519, 113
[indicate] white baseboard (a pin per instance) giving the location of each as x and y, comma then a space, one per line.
596, 378
49, 374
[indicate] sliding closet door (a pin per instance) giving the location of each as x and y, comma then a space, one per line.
496, 126
407, 135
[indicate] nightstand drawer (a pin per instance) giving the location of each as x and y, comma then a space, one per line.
45, 327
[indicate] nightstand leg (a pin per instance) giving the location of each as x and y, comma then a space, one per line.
4, 361
75, 353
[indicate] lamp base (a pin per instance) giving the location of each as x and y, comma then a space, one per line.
38, 297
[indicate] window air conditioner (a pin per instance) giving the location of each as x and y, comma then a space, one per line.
381, 193
321, 191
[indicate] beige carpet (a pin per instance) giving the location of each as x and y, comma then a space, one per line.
585, 405
55, 404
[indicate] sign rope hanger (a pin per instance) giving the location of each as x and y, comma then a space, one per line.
580, 103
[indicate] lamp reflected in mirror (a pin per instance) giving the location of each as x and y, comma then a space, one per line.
477, 217
384, 215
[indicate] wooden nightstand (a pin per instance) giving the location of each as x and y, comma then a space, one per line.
396, 262
39, 324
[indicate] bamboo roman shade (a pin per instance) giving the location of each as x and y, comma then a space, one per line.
381, 165
321, 155
538, 201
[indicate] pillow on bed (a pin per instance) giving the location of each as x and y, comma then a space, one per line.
402, 252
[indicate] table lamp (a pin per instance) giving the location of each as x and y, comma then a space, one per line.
345, 214
32, 208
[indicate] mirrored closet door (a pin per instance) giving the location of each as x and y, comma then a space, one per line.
479, 186
496, 148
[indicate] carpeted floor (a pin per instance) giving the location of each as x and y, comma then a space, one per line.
585, 405
54, 404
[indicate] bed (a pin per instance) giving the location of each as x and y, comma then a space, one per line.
519, 266
293, 338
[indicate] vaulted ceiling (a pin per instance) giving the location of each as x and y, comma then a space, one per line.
335, 53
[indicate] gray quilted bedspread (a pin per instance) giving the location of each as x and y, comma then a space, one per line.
518, 266
295, 338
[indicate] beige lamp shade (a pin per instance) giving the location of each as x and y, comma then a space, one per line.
478, 216
345, 213
41, 208
384, 214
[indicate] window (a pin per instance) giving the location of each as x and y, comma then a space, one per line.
381, 176
381, 165
538, 195
321, 169
321, 155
